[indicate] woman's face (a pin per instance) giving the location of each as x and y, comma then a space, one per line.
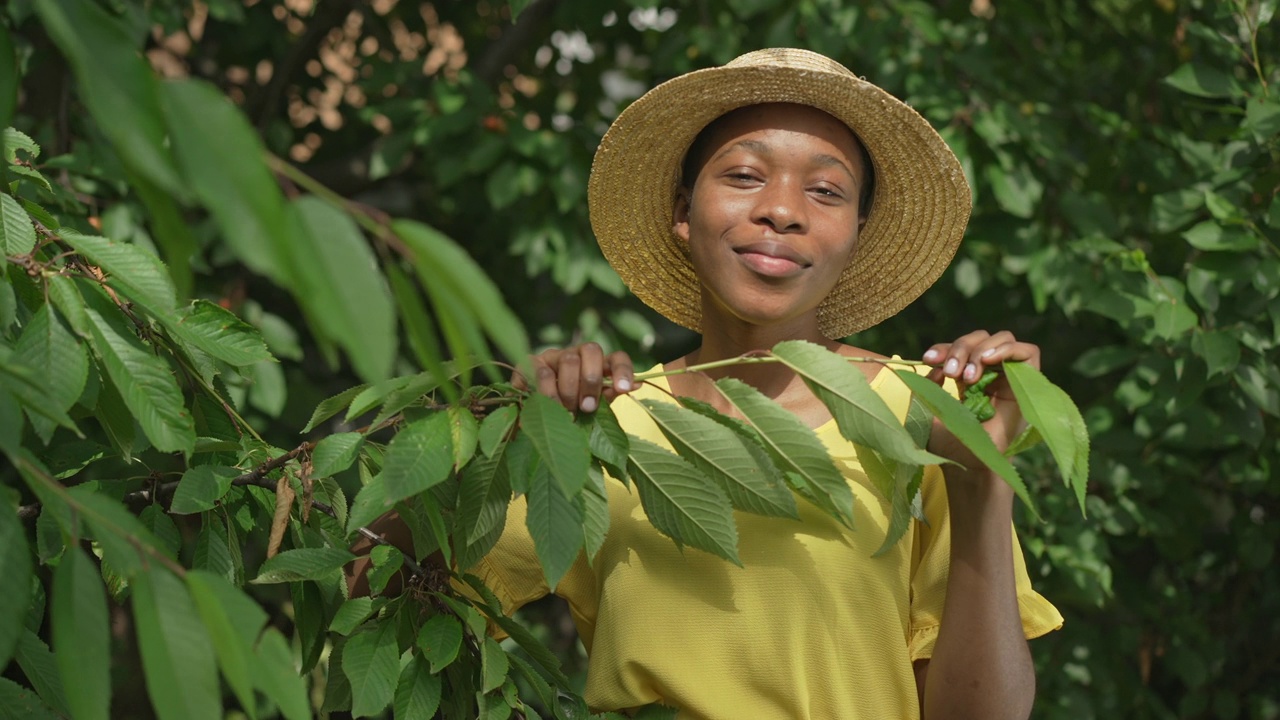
772, 218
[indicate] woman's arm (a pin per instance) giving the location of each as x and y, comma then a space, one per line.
981, 665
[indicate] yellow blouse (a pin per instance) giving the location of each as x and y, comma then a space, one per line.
811, 627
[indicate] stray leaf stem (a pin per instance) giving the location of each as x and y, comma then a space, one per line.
756, 360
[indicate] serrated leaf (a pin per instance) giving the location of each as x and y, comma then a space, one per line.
201, 488
303, 564
343, 288
898, 483
493, 665
1220, 350
681, 502
123, 538
555, 524
449, 262
595, 513
608, 441
484, 492
277, 677
20, 703
350, 614
860, 412
957, 418
1050, 410
17, 234
723, 456
177, 655
1195, 78
15, 140
1027, 439
41, 669
439, 640
332, 406
212, 550
15, 567
219, 333
411, 391
417, 692
385, 562
370, 503
495, 427
561, 444
417, 324
147, 386
335, 453
233, 621
463, 429
138, 272
60, 363
419, 457
116, 84
371, 662
794, 447
154, 518
26, 385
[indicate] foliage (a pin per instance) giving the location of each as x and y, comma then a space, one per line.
1124, 160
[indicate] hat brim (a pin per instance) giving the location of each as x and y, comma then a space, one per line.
918, 214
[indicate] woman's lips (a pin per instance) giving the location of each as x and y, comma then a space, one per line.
772, 259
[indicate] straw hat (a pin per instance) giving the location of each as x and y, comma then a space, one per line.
918, 214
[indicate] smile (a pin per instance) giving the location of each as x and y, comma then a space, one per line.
772, 259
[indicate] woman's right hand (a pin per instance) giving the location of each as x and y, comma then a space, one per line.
575, 376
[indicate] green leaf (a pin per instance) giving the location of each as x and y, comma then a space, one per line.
1050, 410
483, 496
1202, 80
794, 447
1098, 361
350, 614
17, 234
555, 524
19, 703
213, 550
123, 538
138, 272
9, 79
116, 84
1220, 350
41, 668
341, 285
310, 563
177, 655
1172, 319
233, 621
371, 661
219, 154
681, 502
25, 384
59, 362
370, 503
417, 322
154, 518
276, 676
15, 140
418, 458
201, 488
608, 441
147, 385
418, 691
1016, 189
439, 640
495, 427
957, 418
463, 429
561, 444
722, 455
15, 567
493, 665
595, 513
332, 406
219, 333
859, 411
386, 561
1209, 235
447, 261
335, 453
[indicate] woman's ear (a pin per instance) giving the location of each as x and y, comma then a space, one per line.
680, 215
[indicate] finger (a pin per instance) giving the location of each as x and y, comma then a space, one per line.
958, 356
621, 372
936, 354
984, 355
544, 370
591, 376
1013, 351
568, 375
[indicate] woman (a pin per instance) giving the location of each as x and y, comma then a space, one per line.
782, 198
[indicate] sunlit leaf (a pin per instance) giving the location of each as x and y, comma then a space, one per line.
220, 333
332, 406
555, 524
17, 234
201, 488
138, 272
303, 564
561, 444
335, 453
681, 502
1047, 407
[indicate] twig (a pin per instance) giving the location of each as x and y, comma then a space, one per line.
752, 360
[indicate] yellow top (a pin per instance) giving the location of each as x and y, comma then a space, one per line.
811, 627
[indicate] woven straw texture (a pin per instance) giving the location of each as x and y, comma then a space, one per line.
918, 215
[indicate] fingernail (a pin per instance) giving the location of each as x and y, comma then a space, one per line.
931, 355
988, 352
952, 367
588, 404
970, 372
623, 385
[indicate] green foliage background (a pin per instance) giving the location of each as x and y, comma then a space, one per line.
1124, 155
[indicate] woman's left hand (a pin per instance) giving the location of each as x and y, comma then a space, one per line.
965, 361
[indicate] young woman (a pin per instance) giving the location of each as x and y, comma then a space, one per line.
782, 198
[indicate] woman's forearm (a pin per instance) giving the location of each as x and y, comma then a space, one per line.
981, 666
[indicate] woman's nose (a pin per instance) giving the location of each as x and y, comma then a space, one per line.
781, 207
